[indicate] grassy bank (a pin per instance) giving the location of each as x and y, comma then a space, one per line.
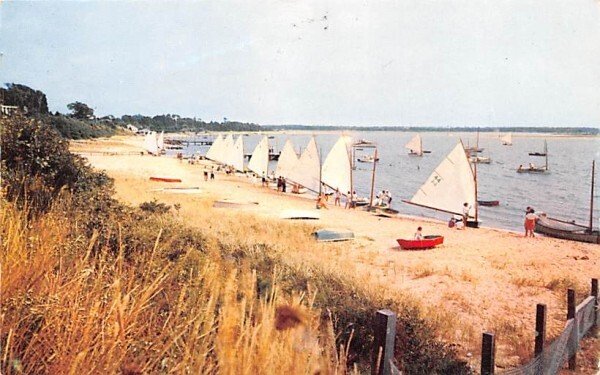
90, 285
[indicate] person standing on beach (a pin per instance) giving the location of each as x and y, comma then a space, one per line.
212, 173
338, 198
264, 179
205, 174
283, 184
465, 213
530, 220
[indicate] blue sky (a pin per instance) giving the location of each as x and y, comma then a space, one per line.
497, 63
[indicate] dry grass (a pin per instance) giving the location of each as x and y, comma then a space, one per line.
68, 310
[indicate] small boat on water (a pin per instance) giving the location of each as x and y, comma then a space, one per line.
507, 140
165, 179
428, 242
480, 159
544, 153
367, 159
473, 150
488, 203
333, 235
569, 230
415, 146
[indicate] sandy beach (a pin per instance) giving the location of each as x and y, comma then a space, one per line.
479, 280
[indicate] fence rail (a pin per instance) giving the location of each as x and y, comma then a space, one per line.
547, 360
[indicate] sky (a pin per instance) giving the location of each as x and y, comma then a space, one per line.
347, 63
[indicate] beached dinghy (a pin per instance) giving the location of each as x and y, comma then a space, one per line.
428, 242
230, 203
569, 230
300, 215
165, 179
259, 161
331, 235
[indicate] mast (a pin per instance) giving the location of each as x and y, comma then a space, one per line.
421, 148
592, 195
546, 152
373, 178
475, 179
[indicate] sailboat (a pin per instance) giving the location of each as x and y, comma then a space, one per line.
451, 184
215, 151
160, 142
337, 169
150, 143
236, 156
308, 169
569, 230
545, 153
507, 139
472, 155
415, 146
532, 168
259, 160
287, 161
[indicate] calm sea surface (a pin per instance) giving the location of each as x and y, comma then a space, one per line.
562, 193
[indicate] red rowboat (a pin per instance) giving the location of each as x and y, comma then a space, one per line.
165, 179
427, 242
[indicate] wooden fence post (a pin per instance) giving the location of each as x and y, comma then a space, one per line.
540, 328
488, 354
596, 303
571, 306
383, 343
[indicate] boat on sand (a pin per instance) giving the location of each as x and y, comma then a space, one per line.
165, 179
428, 242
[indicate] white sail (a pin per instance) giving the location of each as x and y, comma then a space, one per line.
450, 185
507, 139
237, 154
150, 144
215, 150
161, 141
308, 169
227, 152
336, 171
415, 145
259, 161
287, 161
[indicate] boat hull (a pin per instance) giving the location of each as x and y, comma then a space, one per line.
165, 179
566, 231
488, 203
428, 242
532, 170
333, 235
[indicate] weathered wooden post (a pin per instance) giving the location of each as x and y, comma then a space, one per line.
488, 354
571, 306
383, 343
540, 328
596, 303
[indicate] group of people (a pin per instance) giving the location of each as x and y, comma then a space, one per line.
384, 197
206, 173
460, 221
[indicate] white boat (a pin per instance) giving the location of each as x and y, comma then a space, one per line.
259, 161
507, 139
236, 156
337, 169
415, 146
480, 159
150, 143
533, 168
287, 161
451, 184
367, 159
160, 142
308, 169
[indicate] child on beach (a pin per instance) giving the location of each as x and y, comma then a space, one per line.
321, 201
419, 233
338, 198
530, 219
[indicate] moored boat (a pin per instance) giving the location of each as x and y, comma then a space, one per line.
367, 159
428, 242
488, 203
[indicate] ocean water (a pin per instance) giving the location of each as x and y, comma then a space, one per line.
562, 193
